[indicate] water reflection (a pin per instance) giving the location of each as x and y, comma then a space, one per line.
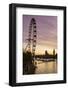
38, 65
45, 67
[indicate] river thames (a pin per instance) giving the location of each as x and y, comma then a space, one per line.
45, 67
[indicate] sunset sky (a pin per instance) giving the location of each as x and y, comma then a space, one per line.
46, 32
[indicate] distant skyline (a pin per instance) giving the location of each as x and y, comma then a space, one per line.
46, 32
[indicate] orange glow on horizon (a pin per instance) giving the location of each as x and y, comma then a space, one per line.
42, 49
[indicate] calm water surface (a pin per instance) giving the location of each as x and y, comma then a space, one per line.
45, 67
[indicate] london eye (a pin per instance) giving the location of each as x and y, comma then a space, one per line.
32, 37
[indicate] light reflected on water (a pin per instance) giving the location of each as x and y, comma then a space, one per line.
45, 67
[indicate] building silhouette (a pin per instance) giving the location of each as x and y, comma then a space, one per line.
54, 52
46, 53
